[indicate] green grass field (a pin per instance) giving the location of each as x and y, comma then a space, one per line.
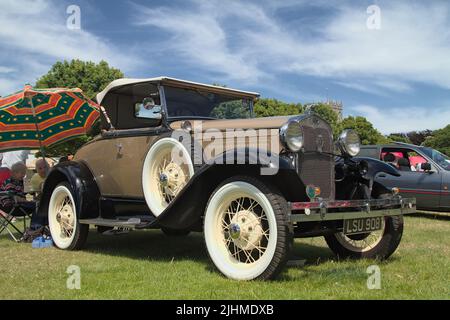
149, 265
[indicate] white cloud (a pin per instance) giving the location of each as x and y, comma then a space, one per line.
395, 120
199, 37
26, 7
35, 36
413, 44
6, 69
242, 40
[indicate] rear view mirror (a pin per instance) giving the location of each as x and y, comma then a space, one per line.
148, 109
425, 167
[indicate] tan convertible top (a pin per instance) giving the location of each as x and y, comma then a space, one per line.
177, 83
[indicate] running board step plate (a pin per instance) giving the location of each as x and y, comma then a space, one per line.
132, 222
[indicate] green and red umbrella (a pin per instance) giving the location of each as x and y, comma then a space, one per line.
36, 118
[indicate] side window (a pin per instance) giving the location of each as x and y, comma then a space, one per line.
417, 162
404, 159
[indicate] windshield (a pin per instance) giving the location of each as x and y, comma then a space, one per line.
439, 158
194, 103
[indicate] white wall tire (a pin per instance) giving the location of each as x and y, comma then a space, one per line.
252, 239
162, 177
66, 231
379, 244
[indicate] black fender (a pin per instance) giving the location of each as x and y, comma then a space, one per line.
375, 166
80, 178
188, 207
361, 170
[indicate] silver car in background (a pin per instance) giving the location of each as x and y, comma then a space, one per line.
425, 173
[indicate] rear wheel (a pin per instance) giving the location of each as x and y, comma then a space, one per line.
246, 229
66, 231
379, 244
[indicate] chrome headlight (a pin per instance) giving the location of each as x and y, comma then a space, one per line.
291, 136
349, 142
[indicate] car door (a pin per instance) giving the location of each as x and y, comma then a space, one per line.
445, 195
424, 186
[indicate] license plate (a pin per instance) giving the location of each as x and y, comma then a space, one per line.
362, 225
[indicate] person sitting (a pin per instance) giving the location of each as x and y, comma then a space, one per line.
37, 180
15, 188
391, 159
13, 185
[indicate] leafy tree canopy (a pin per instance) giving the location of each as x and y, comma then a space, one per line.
231, 110
440, 140
86, 75
367, 133
265, 107
418, 137
329, 115
89, 77
399, 137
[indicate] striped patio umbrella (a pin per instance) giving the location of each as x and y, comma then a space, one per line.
36, 118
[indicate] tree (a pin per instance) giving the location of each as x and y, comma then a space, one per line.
272, 107
367, 133
399, 137
418, 137
440, 140
86, 75
89, 77
230, 110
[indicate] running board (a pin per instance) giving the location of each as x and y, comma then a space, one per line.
130, 223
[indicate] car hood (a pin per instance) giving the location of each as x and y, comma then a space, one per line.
221, 124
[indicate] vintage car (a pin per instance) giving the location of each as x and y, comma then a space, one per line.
182, 156
424, 173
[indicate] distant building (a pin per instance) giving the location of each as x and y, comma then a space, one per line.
336, 106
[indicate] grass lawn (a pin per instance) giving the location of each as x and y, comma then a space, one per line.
149, 265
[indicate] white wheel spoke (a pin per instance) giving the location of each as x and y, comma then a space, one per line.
253, 204
250, 231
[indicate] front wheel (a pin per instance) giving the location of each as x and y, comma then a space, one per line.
66, 231
246, 229
379, 244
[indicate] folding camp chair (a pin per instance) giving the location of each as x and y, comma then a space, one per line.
20, 209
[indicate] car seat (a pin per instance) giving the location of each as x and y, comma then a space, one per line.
404, 164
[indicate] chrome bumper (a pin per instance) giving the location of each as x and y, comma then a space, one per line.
350, 209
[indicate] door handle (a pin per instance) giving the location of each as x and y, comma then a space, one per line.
119, 147
382, 175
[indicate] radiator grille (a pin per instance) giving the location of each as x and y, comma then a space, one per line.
315, 167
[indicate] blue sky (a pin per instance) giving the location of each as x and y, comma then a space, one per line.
398, 76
